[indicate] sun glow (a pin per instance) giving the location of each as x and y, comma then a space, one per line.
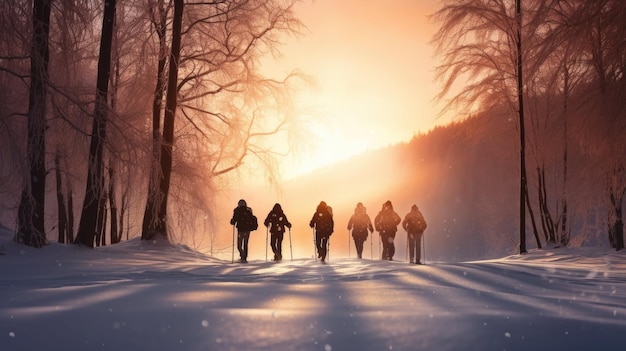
372, 70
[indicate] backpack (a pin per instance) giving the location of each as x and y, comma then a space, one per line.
416, 223
249, 221
324, 223
360, 223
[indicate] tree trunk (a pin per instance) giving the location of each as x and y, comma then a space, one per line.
160, 227
150, 218
115, 235
62, 213
547, 222
532, 220
31, 227
70, 212
565, 235
87, 228
101, 223
522, 136
122, 214
616, 219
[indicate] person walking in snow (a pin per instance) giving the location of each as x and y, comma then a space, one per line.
276, 221
245, 221
323, 224
414, 224
359, 224
386, 224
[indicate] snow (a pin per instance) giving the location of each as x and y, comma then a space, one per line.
159, 296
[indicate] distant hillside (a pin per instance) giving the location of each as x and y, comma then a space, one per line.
464, 177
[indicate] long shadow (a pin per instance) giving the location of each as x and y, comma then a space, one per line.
304, 305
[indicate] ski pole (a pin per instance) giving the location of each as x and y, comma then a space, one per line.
232, 260
348, 243
424, 247
266, 234
314, 245
371, 246
408, 242
290, 247
380, 240
328, 249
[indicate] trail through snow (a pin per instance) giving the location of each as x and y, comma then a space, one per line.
156, 296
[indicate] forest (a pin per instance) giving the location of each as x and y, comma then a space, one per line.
122, 112
132, 114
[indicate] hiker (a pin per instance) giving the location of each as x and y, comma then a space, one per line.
414, 224
386, 223
323, 224
245, 221
276, 221
360, 223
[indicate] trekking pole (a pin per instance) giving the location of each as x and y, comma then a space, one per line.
232, 260
424, 247
267, 229
328, 249
290, 247
314, 245
380, 240
372, 246
348, 243
407, 247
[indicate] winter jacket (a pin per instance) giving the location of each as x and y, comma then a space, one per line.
360, 223
414, 222
387, 220
277, 219
243, 219
322, 221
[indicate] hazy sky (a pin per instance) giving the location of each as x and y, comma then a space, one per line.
372, 65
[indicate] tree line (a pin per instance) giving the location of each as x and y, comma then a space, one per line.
549, 61
134, 104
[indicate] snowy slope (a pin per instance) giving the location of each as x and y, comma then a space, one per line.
156, 296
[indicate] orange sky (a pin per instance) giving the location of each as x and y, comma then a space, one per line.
372, 65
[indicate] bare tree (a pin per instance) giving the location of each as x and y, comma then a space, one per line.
522, 128
92, 205
224, 107
31, 229
605, 24
62, 217
16, 24
158, 18
482, 42
158, 225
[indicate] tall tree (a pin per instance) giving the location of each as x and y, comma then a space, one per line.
481, 41
87, 229
158, 18
62, 220
522, 129
223, 106
606, 25
159, 226
31, 230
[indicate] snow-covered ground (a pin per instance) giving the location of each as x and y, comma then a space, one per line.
156, 296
